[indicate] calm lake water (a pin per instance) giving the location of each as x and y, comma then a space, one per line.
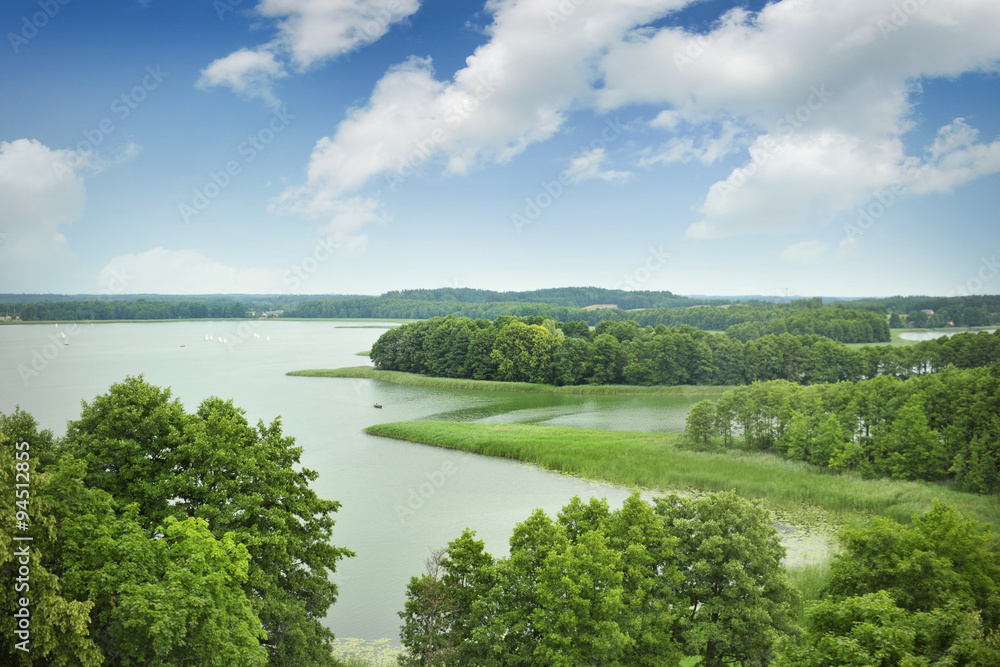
399, 499
931, 335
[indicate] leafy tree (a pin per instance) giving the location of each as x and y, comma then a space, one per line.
943, 558
734, 589
700, 423
871, 630
241, 479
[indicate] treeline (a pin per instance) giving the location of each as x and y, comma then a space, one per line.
800, 317
162, 537
601, 587
139, 309
568, 297
943, 427
841, 324
542, 350
969, 310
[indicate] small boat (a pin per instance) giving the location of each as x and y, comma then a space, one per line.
378, 405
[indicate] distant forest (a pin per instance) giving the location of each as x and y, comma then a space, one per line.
859, 321
542, 350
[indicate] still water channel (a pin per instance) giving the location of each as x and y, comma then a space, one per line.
399, 499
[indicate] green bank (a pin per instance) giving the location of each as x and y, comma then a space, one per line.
656, 461
413, 379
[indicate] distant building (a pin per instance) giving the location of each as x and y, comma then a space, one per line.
272, 313
928, 311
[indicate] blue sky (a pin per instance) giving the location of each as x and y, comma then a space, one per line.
813, 147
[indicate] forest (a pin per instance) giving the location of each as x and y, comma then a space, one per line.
940, 427
542, 350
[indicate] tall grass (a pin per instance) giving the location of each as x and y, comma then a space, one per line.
653, 460
414, 379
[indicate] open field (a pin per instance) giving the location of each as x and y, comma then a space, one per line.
654, 461
413, 379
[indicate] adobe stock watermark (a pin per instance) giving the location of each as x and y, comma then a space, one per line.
324, 249
694, 50
31, 26
869, 214
988, 270
787, 126
121, 107
41, 357
453, 119
900, 16
425, 491
562, 12
656, 259
248, 150
550, 191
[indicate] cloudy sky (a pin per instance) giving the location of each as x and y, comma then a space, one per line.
814, 147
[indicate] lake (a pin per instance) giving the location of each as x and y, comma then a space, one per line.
400, 500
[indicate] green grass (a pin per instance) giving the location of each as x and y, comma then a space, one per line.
363, 353
413, 379
654, 461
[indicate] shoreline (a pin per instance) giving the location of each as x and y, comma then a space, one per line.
416, 380
654, 461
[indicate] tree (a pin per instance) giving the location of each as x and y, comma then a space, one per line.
734, 589
426, 632
871, 630
700, 423
523, 353
943, 558
143, 448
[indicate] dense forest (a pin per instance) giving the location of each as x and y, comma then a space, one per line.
651, 583
941, 427
542, 350
162, 537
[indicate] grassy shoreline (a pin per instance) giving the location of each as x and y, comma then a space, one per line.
654, 461
413, 379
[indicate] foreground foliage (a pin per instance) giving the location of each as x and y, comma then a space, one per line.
643, 585
920, 595
169, 538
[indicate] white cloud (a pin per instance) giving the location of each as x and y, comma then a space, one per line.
248, 73
317, 29
162, 271
515, 90
827, 84
709, 149
41, 193
587, 166
805, 252
309, 31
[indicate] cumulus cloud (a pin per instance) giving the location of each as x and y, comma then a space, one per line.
41, 193
249, 73
587, 166
309, 31
515, 90
830, 85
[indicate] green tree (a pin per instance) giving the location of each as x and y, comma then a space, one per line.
734, 589
213, 465
871, 630
700, 423
523, 353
